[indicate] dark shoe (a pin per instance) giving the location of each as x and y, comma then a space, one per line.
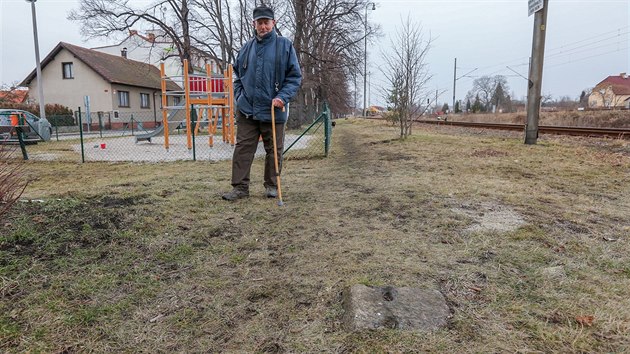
235, 194
271, 192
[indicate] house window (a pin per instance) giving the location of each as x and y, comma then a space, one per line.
123, 98
67, 71
144, 100
176, 100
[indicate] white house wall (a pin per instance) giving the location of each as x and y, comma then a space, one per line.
70, 92
134, 101
607, 98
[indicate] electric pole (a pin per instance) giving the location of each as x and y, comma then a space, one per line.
436, 102
454, 85
38, 67
535, 72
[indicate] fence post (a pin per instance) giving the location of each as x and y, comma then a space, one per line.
19, 132
100, 122
131, 124
193, 117
81, 135
327, 129
57, 128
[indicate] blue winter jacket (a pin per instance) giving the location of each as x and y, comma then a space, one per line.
254, 86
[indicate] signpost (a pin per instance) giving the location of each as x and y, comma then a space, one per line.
535, 6
88, 113
536, 69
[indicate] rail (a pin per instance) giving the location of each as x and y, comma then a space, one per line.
620, 133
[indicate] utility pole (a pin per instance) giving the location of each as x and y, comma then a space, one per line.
454, 85
40, 87
436, 102
455, 78
535, 73
369, 89
365, 58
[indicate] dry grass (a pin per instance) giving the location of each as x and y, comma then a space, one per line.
145, 257
603, 119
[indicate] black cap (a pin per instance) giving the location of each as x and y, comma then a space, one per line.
263, 12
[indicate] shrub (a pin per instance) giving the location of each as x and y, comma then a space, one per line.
12, 183
53, 109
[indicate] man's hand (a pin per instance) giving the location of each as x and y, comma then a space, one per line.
277, 103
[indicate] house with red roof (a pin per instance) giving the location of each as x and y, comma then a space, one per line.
612, 92
14, 96
113, 83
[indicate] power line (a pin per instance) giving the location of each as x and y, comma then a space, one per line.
561, 48
590, 44
586, 58
597, 37
560, 55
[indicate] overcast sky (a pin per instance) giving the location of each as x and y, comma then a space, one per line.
587, 40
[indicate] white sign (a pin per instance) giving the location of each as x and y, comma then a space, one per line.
534, 6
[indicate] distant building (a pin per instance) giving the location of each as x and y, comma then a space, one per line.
376, 110
113, 83
613, 92
153, 48
14, 96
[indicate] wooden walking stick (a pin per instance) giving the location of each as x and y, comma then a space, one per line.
275, 153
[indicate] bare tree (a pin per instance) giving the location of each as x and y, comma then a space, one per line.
221, 27
329, 43
213, 30
546, 98
609, 98
325, 33
485, 87
407, 74
10, 93
101, 18
12, 180
584, 97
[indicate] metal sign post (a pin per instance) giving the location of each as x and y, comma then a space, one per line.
88, 113
535, 6
536, 70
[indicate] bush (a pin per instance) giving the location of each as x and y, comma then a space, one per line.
51, 109
61, 121
12, 183
57, 110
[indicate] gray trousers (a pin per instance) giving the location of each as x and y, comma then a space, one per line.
247, 134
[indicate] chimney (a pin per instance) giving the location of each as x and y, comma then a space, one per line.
123, 52
623, 75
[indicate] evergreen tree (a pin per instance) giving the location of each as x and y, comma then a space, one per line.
583, 99
477, 106
498, 98
457, 108
468, 107
445, 108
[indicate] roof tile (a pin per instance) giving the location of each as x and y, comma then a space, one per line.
115, 69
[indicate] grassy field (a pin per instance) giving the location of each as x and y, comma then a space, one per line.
600, 119
529, 245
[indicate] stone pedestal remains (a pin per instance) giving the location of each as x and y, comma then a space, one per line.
405, 308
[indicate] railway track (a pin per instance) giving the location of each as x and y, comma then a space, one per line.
618, 133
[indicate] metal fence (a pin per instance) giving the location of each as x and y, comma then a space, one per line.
138, 137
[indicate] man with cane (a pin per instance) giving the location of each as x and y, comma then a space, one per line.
267, 77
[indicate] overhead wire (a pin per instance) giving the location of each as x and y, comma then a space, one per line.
568, 49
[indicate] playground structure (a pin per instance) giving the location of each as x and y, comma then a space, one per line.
209, 97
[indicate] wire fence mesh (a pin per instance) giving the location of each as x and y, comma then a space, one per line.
139, 137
